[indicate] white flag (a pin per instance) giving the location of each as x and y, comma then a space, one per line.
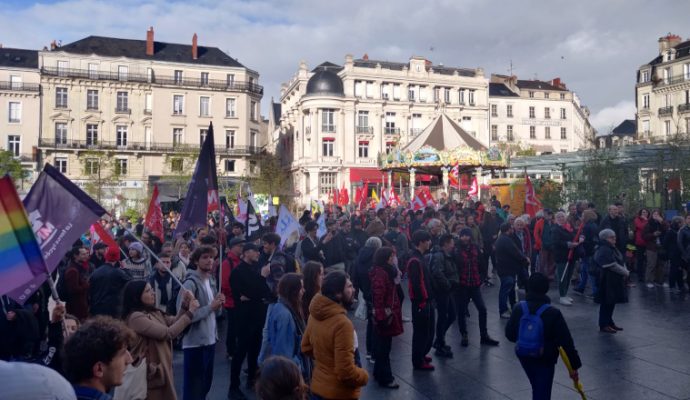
286, 225
322, 226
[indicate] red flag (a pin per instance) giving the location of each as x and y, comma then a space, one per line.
532, 203
474, 189
336, 196
358, 195
154, 216
454, 177
344, 196
101, 235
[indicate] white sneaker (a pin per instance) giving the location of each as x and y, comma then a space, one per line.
650, 285
405, 318
570, 298
665, 285
505, 315
565, 301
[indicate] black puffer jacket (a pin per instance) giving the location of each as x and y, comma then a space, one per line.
509, 259
363, 265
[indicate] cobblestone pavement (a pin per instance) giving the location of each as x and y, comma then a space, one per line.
649, 360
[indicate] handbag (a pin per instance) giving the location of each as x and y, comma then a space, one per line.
134, 385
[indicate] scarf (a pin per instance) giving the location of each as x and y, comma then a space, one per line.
162, 282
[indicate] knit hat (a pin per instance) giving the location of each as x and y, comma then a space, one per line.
112, 254
136, 246
465, 232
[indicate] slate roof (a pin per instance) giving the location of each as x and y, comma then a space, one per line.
627, 127
682, 50
539, 85
328, 65
396, 66
136, 49
18, 58
501, 90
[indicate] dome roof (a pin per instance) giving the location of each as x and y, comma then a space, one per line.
325, 81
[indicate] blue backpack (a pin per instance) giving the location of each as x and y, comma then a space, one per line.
530, 341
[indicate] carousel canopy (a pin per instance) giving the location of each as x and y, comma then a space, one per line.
443, 134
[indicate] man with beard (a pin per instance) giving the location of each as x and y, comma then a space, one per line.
330, 339
98, 257
251, 294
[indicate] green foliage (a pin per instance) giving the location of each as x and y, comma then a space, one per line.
132, 215
102, 171
180, 167
12, 166
550, 193
529, 152
271, 178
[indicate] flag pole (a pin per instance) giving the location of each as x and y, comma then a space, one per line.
167, 269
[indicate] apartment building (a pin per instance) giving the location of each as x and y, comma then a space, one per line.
20, 104
532, 114
336, 119
140, 107
662, 92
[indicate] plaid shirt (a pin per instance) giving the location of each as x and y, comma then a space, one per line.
468, 265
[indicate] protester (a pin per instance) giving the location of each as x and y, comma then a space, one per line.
280, 379
232, 260
509, 262
422, 296
539, 364
612, 288
199, 342
77, 283
386, 312
155, 331
652, 234
313, 279
330, 339
106, 284
670, 245
639, 223
98, 255
138, 265
445, 282
96, 356
310, 246
363, 284
564, 244
164, 285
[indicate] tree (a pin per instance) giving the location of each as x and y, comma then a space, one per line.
103, 173
181, 167
9, 165
270, 177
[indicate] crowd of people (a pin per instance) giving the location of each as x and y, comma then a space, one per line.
285, 309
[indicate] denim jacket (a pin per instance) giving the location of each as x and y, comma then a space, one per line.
280, 335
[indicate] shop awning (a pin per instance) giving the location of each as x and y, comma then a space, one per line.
371, 175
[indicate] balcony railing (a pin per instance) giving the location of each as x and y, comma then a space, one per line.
665, 111
415, 131
142, 146
122, 110
391, 131
672, 80
20, 86
365, 129
154, 79
683, 108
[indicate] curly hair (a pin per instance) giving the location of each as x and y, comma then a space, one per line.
97, 340
280, 379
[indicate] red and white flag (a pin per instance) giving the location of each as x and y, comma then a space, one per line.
532, 203
474, 189
99, 234
154, 216
454, 177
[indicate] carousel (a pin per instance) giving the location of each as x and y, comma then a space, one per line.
440, 148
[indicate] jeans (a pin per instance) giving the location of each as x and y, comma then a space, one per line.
370, 334
446, 316
463, 297
540, 374
382, 368
422, 332
564, 283
606, 314
506, 293
584, 275
198, 372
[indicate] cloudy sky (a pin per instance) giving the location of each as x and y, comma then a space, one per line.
595, 46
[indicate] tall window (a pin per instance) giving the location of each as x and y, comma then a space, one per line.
91, 166
13, 144
461, 96
230, 79
61, 97
60, 133
177, 136
509, 111
562, 113
178, 104
178, 77
509, 133
253, 115
532, 132
564, 133
667, 128
494, 110
204, 78
390, 123
61, 165
148, 103
470, 96
362, 121
204, 106
327, 182
15, 112
411, 93
546, 95
328, 120
122, 72
91, 134
547, 113
121, 166
686, 71
446, 95
230, 108
93, 71
254, 139
229, 165
645, 101
547, 132
531, 112
363, 149
230, 139
122, 101
92, 99
494, 132
202, 136
389, 147
531, 94
562, 96
667, 75
121, 135
328, 147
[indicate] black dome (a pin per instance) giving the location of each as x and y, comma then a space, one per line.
325, 81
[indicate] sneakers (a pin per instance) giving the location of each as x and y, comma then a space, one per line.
665, 285
607, 329
391, 385
616, 327
406, 318
505, 315
427, 359
236, 394
487, 340
425, 367
565, 301
650, 285
465, 341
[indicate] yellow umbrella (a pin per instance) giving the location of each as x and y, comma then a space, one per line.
576, 381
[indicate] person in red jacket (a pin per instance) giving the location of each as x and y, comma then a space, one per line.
230, 262
387, 313
640, 222
77, 283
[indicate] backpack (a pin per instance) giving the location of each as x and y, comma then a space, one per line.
530, 341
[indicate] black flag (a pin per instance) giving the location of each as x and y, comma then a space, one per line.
253, 224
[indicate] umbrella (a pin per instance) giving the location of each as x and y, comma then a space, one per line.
576, 381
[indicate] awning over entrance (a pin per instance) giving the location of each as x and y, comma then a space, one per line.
372, 175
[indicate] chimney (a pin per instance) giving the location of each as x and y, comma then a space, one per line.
149, 42
53, 45
195, 50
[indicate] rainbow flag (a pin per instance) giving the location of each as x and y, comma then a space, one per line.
20, 255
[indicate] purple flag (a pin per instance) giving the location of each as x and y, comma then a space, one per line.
59, 212
202, 194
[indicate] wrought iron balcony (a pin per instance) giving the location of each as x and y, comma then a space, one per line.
365, 129
122, 110
671, 80
20, 86
663, 111
214, 84
61, 143
683, 108
391, 131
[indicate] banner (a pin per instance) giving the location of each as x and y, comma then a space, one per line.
59, 212
253, 224
532, 203
286, 225
99, 234
154, 216
322, 226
